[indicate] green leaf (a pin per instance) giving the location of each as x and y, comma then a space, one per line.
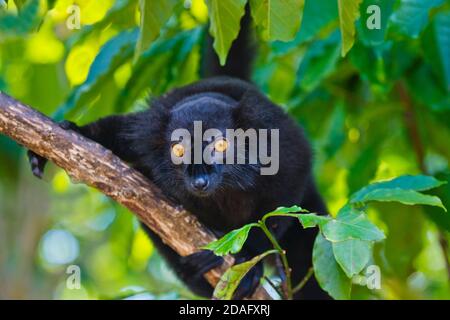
310, 220
411, 16
26, 21
225, 18
284, 210
327, 271
154, 15
232, 277
317, 15
352, 255
334, 133
279, 20
232, 242
402, 189
112, 55
382, 64
348, 14
319, 61
51, 4
351, 224
19, 3
399, 252
121, 15
409, 197
443, 192
407, 182
364, 166
436, 46
428, 91
150, 70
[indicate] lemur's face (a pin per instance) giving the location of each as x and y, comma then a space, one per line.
198, 148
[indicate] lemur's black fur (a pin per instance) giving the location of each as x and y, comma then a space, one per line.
236, 194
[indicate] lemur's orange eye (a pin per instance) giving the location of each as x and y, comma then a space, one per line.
221, 145
178, 150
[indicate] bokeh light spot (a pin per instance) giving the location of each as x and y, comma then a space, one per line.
59, 247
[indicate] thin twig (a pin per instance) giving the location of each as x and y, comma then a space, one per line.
304, 280
283, 257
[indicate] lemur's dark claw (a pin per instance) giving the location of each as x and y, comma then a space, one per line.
68, 125
198, 263
249, 283
37, 164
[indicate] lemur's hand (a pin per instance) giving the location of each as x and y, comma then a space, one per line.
196, 264
37, 162
250, 281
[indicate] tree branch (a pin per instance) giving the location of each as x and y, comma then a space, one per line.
87, 162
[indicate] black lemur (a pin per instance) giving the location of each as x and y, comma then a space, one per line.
222, 196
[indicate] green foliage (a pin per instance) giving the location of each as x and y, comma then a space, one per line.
351, 224
416, 183
232, 242
112, 55
324, 13
19, 3
368, 11
26, 21
327, 271
232, 277
154, 15
403, 196
348, 13
225, 22
279, 20
115, 15
311, 220
411, 16
436, 46
344, 245
403, 189
352, 255
435, 213
286, 210
318, 62
175, 50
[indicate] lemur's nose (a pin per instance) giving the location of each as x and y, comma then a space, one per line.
200, 183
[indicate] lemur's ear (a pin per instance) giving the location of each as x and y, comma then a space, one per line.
156, 123
250, 112
146, 128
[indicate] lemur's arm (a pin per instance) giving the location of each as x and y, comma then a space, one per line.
108, 131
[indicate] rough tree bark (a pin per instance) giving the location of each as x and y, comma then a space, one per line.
88, 162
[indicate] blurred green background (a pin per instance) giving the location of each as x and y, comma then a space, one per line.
381, 111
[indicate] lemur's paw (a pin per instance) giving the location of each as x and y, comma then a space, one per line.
69, 125
37, 164
198, 263
249, 283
